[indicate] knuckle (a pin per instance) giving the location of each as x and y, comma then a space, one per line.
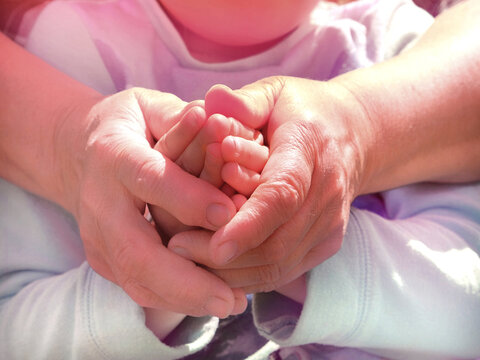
195, 103
274, 84
139, 294
216, 128
276, 251
270, 275
126, 263
144, 178
334, 242
183, 296
286, 194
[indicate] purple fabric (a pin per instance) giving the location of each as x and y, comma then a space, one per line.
435, 7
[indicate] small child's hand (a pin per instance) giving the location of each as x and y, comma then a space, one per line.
244, 162
241, 162
199, 152
161, 322
236, 165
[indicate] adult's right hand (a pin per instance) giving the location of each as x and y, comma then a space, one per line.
116, 172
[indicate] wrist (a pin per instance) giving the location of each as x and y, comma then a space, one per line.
75, 121
162, 322
359, 127
295, 290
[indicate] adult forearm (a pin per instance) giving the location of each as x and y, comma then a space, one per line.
424, 106
37, 102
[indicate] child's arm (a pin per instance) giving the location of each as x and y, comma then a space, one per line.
161, 322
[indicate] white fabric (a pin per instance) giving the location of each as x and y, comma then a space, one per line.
54, 306
406, 286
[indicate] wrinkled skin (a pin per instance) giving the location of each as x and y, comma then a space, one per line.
297, 216
113, 178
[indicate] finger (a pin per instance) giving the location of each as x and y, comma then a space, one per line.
243, 180
323, 240
285, 184
212, 170
324, 215
192, 245
238, 200
228, 190
241, 302
150, 176
161, 110
216, 128
252, 104
176, 140
248, 154
166, 224
156, 277
313, 258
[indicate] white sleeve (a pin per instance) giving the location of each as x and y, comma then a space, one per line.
406, 25
406, 285
54, 306
391, 26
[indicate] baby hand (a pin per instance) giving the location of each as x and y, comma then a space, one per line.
242, 164
200, 154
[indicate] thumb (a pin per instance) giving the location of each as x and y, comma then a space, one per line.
156, 180
162, 110
252, 104
285, 184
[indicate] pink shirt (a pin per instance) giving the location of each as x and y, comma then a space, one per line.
367, 296
114, 45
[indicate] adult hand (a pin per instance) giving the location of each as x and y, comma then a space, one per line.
199, 153
117, 172
297, 216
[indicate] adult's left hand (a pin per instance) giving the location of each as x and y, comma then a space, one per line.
296, 218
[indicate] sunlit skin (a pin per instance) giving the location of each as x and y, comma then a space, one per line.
37, 167
215, 31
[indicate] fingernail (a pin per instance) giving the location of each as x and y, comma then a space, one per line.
218, 215
182, 252
226, 252
241, 304
216, 306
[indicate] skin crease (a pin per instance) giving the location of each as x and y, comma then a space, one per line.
70, 96
217, 30
45, 75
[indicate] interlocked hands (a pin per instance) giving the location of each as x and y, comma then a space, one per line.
238, 216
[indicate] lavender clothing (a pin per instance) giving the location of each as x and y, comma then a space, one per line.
381, 293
